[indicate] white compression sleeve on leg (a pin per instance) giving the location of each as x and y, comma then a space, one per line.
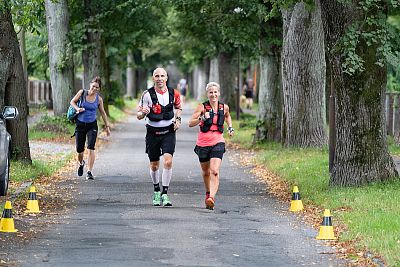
155, 176
166, 177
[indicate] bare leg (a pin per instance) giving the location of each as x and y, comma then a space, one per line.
154, 165
215, 164
167, 161
205, 168
80, 157
91, 159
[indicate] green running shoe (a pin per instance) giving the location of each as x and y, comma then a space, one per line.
157, 198
165, 200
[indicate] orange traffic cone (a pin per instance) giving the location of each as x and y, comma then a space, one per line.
32, 206
7, 221
296, 204
326, 229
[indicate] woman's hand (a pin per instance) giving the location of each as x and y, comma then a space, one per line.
231, 131
108, 130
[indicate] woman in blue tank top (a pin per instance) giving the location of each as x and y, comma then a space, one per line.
86, 124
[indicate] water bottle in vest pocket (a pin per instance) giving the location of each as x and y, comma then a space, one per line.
156, 108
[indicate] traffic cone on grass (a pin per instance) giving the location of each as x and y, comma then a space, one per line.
7, 221
326, 229
32, 206
296, 204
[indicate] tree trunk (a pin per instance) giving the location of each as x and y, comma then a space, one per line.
141, 81
22, 48
303, 77
207, 68
106, 87
227, 72
91, 55
91, 58
361, 152
13, 86
199, 82
214, 70
396, 133
270, 99
60, 55
130, 76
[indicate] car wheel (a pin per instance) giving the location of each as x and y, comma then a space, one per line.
4, 178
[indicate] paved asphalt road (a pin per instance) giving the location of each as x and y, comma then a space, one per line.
114, 223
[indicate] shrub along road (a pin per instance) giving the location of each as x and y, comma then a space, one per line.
114, 224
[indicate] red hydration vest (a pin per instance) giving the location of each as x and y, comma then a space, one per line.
209, 122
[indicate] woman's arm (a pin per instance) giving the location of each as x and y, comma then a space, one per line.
104, 115
228, 120
75, 100
196, 117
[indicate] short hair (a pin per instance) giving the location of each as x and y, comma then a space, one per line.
212, 84
97, 80
160, 68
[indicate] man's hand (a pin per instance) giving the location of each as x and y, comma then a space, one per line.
177, 123
142, 112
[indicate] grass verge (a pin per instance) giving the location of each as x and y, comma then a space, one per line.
370, 214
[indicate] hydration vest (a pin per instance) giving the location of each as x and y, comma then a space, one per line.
209, 122
159, 112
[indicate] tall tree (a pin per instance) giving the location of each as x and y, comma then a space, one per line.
270, 102
91, 54
130, 76
357, 41
269, 97
303, 76
60, 55
13, 84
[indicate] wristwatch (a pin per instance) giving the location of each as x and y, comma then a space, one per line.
178, 119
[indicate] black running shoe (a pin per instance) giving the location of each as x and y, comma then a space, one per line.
89, 176
80, 169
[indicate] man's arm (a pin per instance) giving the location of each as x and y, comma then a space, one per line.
178, 108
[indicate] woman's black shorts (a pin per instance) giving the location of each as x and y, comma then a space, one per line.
205, 153
83, 130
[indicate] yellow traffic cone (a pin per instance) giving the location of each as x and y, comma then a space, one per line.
32, 206
296, 204
7, 221
326, 229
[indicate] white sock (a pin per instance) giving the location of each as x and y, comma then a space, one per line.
166, 177
155, 176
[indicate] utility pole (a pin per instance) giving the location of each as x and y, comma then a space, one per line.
332, 123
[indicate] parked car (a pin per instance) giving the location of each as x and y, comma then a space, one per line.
9, 113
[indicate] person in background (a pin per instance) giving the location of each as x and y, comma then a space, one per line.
86, 124
210, 145
249, 93
182, 88
158, 104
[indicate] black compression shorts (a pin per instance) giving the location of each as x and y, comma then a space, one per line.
205, 153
